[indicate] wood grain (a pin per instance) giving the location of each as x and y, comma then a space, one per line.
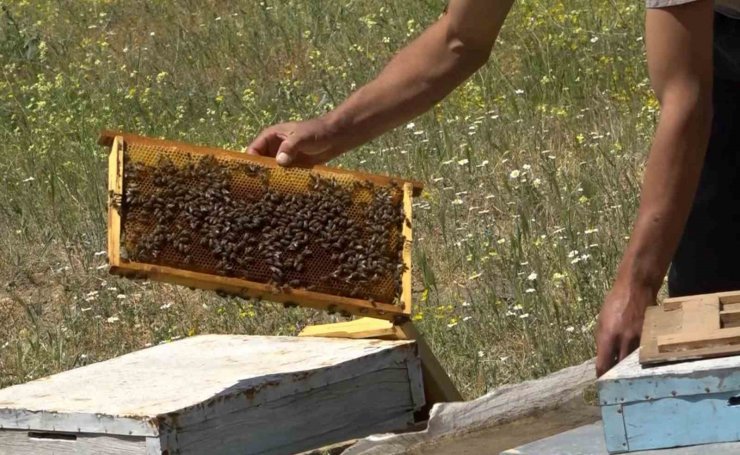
505, 417
223, 394
357, 329
18, 442
115, 193
438, 387
690, 328
406, 298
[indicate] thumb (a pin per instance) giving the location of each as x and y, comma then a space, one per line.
287, 151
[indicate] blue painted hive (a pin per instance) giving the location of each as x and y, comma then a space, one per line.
674, 405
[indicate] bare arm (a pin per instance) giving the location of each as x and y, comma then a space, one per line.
679, 52
419, 76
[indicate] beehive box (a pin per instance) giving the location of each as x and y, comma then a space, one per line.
217, 395
675, 405
239, 224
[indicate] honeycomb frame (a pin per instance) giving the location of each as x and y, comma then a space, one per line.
122, 266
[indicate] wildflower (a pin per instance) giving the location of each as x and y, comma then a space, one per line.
121, 296
591, 231
165, 306
529, 290
524, 316
570, 329
457, 202
463, 162
113, 319
532, 276
410, 125
514, 174
519, 91
480, 354
467, 318
537, 182
29, 179
557, 276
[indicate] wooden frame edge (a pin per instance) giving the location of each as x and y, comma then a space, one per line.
253, 289
406, 231
115, 193
107, 138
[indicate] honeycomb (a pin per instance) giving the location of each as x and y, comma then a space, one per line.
292, 228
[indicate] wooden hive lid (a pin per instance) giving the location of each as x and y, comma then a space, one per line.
128, 394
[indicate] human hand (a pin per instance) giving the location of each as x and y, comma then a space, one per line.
620, 324
297, 143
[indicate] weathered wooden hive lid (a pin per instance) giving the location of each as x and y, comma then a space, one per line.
134, 393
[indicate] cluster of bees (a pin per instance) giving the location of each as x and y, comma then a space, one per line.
232, 219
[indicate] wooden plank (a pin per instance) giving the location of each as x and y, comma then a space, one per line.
107, 138
692, 314
700, 340
700, 315
115, 194
406, 231
251, 289
730, 318
357, 329
505, 417
657, 322
674, 303
438, 387
23, 442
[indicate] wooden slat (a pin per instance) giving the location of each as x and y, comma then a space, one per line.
700, 316
699, 340
251, 289
675, 303
730, 318
357, 329
438, 387
406, 298
115, 194
657, 321
107, 139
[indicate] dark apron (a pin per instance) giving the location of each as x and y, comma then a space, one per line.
708, 256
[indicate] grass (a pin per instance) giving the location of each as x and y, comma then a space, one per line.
532, 167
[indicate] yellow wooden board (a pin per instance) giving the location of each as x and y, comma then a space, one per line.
357, 329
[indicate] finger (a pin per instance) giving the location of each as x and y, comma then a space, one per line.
606, 354
265, 144
286, 153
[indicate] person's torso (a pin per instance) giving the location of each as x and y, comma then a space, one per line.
728, 7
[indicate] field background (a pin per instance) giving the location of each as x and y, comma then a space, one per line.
532, 167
